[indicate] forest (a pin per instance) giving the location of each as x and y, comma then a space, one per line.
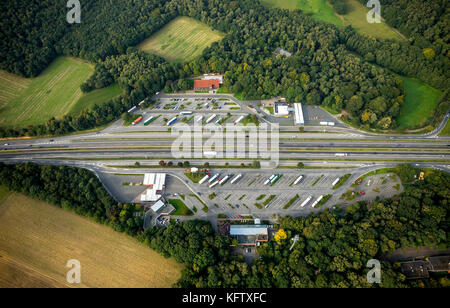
332, 251
334, 67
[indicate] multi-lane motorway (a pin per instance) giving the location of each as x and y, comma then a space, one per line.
155, 141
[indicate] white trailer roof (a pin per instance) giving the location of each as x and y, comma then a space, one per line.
299, 114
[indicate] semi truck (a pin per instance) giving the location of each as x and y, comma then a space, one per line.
172, 121
269, 180
238, 120
317, 201
277, 176
214, 178
213, 184
186, 113
148, 120
335, 182
139, 119
237, 177
306, 201
298, 180
210, 118
340, 154
225, 179
203, 180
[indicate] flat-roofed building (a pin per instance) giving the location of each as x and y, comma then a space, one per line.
281, 108
156, 183
250, 235
421, 268
213, 77
299, 119
157, 206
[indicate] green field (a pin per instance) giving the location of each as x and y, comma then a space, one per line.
180, 208
55, 92
356, 17
183, 39
420, 104
322, 10
446, 130
96, 97
319, 9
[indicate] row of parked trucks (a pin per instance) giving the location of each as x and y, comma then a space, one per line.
215, 179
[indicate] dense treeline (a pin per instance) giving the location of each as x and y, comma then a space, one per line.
332, 251
323, 69
29, 32
73, 189
33, 33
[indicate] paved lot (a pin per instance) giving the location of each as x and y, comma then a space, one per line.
313, 115
243, 196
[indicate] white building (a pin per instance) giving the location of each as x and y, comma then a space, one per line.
213, 77
299, 120
281, 109
156, 183
157, 206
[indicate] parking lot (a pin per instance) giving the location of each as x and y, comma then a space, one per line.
194, 104
249, 194
313, 115
250, 191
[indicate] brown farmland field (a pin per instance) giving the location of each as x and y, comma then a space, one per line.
37, 240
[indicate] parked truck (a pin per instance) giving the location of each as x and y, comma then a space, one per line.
172, 121
269, 180
237, 177
306, 201
317, 201
139, 119
298, 180
214, 178
203, 180
238, 120
210, 118
148, 120
225, 179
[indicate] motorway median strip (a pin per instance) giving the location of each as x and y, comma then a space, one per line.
200, 148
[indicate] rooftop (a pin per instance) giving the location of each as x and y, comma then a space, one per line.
206, 84
248, 230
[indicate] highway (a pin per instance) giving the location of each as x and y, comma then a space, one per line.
155, 142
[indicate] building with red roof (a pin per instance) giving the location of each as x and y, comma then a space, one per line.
206, 85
